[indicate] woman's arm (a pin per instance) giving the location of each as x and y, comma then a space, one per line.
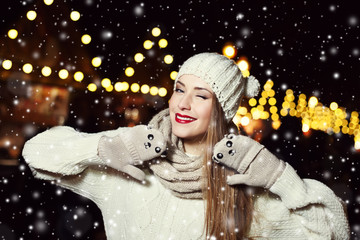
70, 159
311, 203
62, 151
82, 162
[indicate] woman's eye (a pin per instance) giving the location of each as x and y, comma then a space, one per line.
202, 97
179, 90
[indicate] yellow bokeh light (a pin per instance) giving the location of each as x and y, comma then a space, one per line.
139, 57
12, 33
338, 112
75, 15
289, 92
354, 114
292, 105
148, 44
252, 102
145, 89
92, 87
260, 107
48, 2
78, 76
256, 114
242, 110
357, 145
244, 121
283, 112
271, 93
267, 86
46, 71
305, 128
156, 32
86, 39
302, 96
313, 101
229, 51
135, 87
236, 120
125, 86
272, 101
338, 122
274, 116
243, 65
273, 109
264, 115
173, 75
264, 94
286, 105
163, 43
96, 61
162, 92
276, 124
245, 73
105, 83
262, 101
118, 86
333, 106
129, 71
344, 123
27, 68
7, 64
121, 86
109, 88
168, 59
154, 90
63, 73
292, 112
31, 15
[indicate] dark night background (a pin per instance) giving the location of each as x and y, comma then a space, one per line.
311, 47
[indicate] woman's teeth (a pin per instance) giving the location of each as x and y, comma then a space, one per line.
185, 118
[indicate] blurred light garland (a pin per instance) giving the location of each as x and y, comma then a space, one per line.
96, 61
314, 115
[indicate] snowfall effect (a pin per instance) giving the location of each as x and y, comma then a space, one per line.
310, 47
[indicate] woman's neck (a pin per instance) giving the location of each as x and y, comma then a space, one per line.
194, 147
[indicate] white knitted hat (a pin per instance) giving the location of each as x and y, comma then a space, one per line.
224, 77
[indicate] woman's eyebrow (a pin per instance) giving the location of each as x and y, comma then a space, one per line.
196, 88
200, 88
179, 82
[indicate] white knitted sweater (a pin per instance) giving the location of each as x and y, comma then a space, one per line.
295, 208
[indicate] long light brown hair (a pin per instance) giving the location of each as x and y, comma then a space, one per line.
229, 209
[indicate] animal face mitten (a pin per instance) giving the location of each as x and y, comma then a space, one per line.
132, 147
254, 164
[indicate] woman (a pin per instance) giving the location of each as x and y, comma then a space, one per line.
213, 183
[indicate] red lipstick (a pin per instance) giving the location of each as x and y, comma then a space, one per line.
183, 119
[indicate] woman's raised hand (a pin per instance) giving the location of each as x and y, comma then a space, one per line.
254, 164
133, 147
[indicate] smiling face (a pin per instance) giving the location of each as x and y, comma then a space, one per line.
190, 108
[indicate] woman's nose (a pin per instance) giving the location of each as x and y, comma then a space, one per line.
185, 102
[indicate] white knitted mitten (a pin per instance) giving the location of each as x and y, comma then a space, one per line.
137, 144
254, 163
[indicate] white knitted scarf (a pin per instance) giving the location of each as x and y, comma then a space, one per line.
180, 173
